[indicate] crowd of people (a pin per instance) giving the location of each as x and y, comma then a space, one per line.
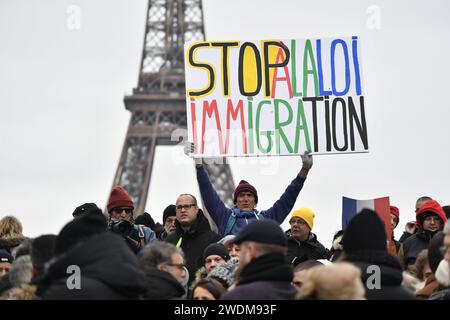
123, 254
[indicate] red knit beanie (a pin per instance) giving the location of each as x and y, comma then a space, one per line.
244, 186
119, 198
394, 210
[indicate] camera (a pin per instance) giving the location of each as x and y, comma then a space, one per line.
121, 227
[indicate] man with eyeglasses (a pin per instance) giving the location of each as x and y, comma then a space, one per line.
430, 219
302, 243
192, 232
245, 198
166, 276
121, 220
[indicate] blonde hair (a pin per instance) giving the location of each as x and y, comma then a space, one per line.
10, 227
339, 281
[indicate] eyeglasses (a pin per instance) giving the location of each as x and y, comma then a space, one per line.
300, 222
120, 210
179, 266
185, 206
432, 218
443, 250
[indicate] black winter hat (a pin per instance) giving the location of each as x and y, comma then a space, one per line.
85, 209
42, 250
364, 232
264, 231
79, 229
170, 211
216, 249
145, 219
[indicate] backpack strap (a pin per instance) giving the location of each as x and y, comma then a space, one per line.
232, 220
230, 223
260, 215
141, 234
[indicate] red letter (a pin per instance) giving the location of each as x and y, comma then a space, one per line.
287, 78
208, 110
234, 114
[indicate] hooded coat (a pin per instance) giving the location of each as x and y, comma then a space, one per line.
11, 242
193, 242
108, 268
300, 251
420, 240
221, 214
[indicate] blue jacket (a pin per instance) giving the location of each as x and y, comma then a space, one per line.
221, 214
149, 234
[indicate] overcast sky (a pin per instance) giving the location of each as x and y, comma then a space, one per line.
63, 121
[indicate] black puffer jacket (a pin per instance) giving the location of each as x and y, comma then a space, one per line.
161, 285
300, 251
109, 270
194, 242
390, 275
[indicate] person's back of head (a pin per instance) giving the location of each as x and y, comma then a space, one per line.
87, 208
339, 281
266, 234
435, 255
78, 230
420, 201
308, 264
145, 219
419, 266
21, 271
365, 232
10, 227
42, 251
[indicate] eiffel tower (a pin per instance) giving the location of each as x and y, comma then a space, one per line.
158, 105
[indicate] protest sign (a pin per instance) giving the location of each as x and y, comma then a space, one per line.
275, 97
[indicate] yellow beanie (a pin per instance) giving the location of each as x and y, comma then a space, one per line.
305, 214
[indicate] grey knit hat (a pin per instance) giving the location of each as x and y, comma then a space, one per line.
225, 272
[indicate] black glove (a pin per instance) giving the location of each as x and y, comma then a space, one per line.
133, 244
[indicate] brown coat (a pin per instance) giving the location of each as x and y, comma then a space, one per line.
431, 286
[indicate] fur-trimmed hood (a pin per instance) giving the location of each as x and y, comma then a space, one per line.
11, 241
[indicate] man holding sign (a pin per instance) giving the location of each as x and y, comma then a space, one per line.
232, 220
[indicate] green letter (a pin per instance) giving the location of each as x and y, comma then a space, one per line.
309, 52
301, 125
278, 125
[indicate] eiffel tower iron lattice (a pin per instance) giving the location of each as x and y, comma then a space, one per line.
158, 105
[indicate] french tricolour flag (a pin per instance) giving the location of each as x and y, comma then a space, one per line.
351, 207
